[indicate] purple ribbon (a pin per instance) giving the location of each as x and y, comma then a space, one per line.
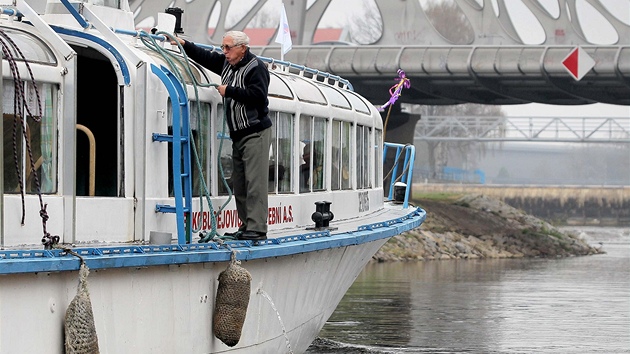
395, 91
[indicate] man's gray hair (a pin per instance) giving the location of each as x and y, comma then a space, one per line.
238, 37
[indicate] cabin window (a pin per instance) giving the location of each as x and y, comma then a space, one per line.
199, 125
41, 134
33, 49
281, 153
313, 144
363, 135
279, 88
200, 156
340, 172
335, 97
358, 103
378, 158
306, 90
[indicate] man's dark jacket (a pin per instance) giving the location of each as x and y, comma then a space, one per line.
247, 83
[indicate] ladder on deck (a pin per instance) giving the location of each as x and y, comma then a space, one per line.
180, 139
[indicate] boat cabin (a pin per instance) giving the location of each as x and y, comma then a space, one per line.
92, 117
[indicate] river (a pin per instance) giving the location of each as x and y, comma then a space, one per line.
560, 305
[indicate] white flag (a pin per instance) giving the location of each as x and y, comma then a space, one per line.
284, 34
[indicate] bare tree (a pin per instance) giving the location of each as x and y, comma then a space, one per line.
267, 17
449, 20
365, 25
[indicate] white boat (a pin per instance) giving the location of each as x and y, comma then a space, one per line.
103, 111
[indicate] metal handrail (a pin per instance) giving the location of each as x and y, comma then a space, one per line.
92, 168
406, 174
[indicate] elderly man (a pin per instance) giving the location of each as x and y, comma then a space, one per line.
244, 87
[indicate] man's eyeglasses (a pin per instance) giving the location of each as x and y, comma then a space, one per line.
225, 47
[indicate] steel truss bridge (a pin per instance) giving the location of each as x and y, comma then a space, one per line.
526, 129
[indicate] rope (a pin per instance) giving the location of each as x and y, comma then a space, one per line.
395, 92
395, 165
150, 42
19, 102
389, 110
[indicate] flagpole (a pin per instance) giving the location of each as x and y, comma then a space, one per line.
284, 34
280, 29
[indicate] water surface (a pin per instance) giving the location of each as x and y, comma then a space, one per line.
563, 305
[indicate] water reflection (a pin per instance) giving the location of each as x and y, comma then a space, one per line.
568, 305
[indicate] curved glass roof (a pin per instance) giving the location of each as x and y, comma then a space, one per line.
358, 103
33, 49
335, 97
278, 87
312, 91
305, 90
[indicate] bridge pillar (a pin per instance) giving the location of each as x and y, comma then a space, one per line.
399, 127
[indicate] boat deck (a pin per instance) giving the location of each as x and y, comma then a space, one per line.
387, 222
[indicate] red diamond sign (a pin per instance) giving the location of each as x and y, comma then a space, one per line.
578, 63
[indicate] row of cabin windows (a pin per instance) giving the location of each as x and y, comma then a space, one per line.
40, 165
312, 144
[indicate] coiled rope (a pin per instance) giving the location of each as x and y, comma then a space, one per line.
9, 50
168, 56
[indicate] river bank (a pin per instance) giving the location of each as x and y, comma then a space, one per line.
476, 226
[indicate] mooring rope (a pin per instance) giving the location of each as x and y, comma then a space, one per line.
9, 47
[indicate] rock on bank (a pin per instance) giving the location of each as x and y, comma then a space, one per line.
476, 226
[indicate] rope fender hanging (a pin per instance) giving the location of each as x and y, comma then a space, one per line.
80, 330
231, 302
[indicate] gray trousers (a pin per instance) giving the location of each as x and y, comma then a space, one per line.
250, 159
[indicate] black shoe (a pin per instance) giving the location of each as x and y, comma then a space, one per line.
233, 234
252, 236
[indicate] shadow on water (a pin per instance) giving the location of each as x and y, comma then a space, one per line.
489, 306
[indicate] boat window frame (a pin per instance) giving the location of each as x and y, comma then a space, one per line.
313, 142
363, 157
341, 156
49, 119
276, 82
16, 33
204, 151
281, 155
301, 87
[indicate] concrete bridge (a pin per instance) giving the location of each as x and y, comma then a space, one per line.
495, 67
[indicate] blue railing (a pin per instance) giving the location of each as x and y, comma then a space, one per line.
406, 174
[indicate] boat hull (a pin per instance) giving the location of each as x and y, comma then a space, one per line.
168, 308
160, 299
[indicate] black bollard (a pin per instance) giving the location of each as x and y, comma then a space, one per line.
322, 216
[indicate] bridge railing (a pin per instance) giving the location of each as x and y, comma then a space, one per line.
544, 129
